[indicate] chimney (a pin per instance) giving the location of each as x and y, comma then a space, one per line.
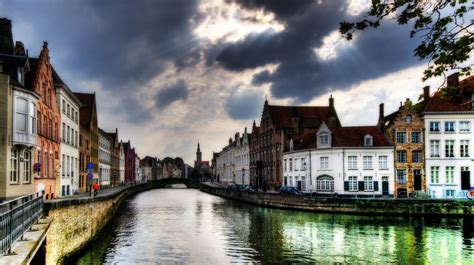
20, 49
453, 80
6, 36
381, 112
331, 102
426, 93
230, 140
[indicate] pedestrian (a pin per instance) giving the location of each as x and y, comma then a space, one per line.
96, 188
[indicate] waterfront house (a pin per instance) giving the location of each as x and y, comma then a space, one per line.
105, 159
242, 173
343, 161
115, 157
18, 105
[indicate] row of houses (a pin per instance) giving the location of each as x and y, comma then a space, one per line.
421, 149
50, 135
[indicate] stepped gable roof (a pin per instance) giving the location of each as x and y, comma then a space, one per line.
87, 104
312, 116
436, 104
344, 137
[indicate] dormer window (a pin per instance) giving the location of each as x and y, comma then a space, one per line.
408, 119
368, 140
324, 139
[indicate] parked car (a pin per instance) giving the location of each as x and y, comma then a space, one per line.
232, 186
247, 188
290, 190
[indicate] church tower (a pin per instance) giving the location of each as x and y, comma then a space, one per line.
198, 155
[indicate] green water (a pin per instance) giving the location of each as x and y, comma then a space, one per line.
185, 226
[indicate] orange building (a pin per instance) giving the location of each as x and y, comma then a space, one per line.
40, 80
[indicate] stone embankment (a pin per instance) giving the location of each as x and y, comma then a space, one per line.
407, 207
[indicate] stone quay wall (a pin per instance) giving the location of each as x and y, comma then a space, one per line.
76, 222
407, 207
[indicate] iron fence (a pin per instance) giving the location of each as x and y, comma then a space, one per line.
16, 217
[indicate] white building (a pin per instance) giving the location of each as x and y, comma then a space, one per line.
69, 105
347, 161
449, 162
139, 170
242, 172
122, 164
105, 159
225, 163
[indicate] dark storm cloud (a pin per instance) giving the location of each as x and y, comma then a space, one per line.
172, 93
300, 74
244, 106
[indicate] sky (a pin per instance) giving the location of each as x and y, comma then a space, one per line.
170, 73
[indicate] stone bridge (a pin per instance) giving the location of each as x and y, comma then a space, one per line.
167, 182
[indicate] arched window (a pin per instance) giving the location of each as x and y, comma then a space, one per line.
325, 183
408, 119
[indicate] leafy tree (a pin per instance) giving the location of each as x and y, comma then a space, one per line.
446, 34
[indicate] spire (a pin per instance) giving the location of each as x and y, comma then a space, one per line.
266, 100
198, 147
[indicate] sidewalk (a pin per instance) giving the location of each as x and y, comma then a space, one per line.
101, 193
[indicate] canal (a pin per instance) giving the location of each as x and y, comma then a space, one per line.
189, 226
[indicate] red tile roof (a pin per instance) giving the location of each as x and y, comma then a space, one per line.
88, 102
467, 84
344, 137
436, 104
311, 116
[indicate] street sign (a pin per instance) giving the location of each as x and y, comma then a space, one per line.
90, 166
90, 176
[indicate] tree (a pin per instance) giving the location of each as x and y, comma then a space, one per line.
446, 37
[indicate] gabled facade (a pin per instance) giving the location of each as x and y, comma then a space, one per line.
343, 161
405, 129
105, 159
18, 121
47, 155
115, 158
225, 163
69, 106
242, 159
88, 141
130, 156
278, 125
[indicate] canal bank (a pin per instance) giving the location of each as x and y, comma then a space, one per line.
400, 207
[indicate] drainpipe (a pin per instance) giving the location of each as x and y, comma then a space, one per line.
343, 168
310, 174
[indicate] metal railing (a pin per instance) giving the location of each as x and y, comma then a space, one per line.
16, 217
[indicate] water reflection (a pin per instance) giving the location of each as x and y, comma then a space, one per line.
188, 226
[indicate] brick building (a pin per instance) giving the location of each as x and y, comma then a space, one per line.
278, 125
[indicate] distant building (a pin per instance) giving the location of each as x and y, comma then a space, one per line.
121, 164
69, 105
225, 163
130, 165
149, 167
203, 167
88, 141
242, 160
347, 161
105, 159
18, 119
115, 156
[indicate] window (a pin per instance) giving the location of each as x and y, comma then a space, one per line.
401, 156
434, 126
383, 162
45, 164
401, 176
367, 162
464, 148
14, 166
68, 138
296, 166
449, 148
401, 137
408, 119
68, 110
368, 183
450, 193
64, 132
449, 174
284, 164
291, 164
449, 126
368, 141
416, 156
63, 165
464, 126
416, 137
325, 183
434, 148
27, 167
352, 162
324, 139
33, 118
324, 162
21, 116
64, 106
353, 183
303, 164
76, 118
435, 175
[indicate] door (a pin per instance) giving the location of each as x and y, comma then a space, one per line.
465, 180
384, 185
299, 184
417, 179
